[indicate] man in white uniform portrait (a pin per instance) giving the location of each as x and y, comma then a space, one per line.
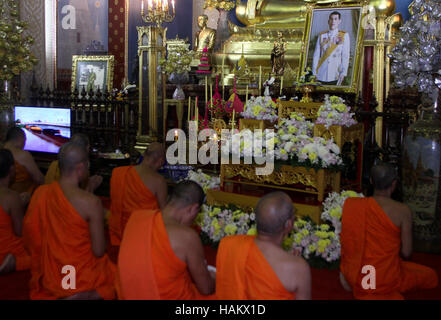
332, 52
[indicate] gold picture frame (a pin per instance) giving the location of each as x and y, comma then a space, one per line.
98, 69
334, 54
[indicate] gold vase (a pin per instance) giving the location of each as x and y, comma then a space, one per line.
307, 90
421, 179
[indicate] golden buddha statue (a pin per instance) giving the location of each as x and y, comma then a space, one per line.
205, 37
275, 13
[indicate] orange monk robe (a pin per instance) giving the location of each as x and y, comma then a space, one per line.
369, 238
57, 236
127, 193
10, 243
148, 269
23, 181
53, 173
243, 273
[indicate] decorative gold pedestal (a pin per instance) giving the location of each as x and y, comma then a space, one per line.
220, 198
342, 135
308, 110
298, 179
253, 124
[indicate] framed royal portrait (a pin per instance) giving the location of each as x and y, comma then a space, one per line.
92, 73
333, 43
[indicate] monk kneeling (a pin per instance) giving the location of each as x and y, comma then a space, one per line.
13, 255
53, 173
135, 188
375, 231
257, 267
27, 174
161, 256
64, 232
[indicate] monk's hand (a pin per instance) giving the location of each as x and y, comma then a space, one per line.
25, 197
94, 182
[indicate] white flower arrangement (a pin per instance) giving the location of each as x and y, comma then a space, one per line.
333, 208
206, 181
261, 108
312, 240
322, 152
219, 222
335, 112
316, 243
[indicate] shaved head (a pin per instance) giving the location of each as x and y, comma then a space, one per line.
383, 175
272, 212
187, 193
155, 151
70, 155
81, 139
14, 134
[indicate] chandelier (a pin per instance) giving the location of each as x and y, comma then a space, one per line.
158, 11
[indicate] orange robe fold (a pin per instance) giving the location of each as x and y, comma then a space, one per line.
127, 193
57, 236
23, 181
53, 173
243, 273
10, 243
369, 238
148, 269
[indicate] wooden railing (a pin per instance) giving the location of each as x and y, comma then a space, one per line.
109, 121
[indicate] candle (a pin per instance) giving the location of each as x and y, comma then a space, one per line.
176, 135
232, 123
260, 80
197, 110
150, 5
189, 108
142, 7
173, 5
206, 90
281, 85
223, 79
211, 97
246, 98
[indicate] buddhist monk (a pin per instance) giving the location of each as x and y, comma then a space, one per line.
64, 233
27, 174
53, 173
257, 267
136, 187
12, 208
161, 256
376, 238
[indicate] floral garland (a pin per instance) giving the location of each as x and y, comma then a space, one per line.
261, 108
294, 143
219, 222
206, 181
335, 112
333, 207
318, 244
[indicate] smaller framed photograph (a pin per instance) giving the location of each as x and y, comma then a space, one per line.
92, 73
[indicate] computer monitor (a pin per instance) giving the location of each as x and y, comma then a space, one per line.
46, 129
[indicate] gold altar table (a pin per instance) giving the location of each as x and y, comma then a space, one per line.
287, 177
219, 198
